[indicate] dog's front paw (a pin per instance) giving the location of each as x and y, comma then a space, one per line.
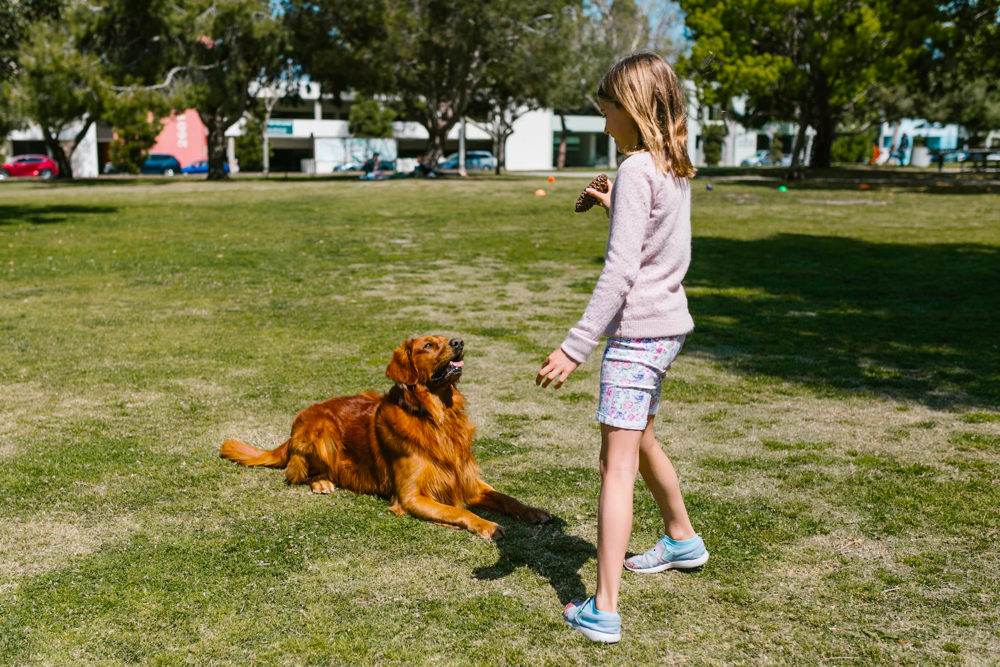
536, 515
323, 486
491, 531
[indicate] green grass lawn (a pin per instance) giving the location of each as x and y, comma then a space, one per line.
833, 419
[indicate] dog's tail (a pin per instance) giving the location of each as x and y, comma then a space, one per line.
244, 454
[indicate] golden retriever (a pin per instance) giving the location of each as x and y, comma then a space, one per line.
412, 445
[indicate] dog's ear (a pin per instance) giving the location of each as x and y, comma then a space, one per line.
401, 368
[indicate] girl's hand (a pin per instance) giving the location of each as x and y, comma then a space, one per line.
604, 198
558, 364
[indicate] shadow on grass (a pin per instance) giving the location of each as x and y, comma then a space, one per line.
45, 215
547, 550
941, 186
917, 322
849, 178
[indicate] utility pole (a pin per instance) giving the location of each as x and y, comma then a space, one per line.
269, 103
461, 147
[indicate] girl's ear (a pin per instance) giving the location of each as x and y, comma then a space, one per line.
401, 368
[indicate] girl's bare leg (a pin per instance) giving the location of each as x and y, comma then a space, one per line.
619, 464
659, 475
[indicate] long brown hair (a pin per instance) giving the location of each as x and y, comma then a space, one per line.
648, 89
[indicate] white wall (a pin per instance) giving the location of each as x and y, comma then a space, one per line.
530, 147
84, 158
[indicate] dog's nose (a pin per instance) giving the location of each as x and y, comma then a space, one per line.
456, 343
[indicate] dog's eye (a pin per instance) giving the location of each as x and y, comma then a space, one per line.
428, 346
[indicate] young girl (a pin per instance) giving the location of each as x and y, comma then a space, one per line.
640, 305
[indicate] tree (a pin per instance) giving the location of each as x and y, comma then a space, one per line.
250, 144
210, 54
368, 119
815, 63
430, 56
596, 35
711, 141
854, 148
229, 45
135, 119
274, 95
15, 18
523, 80
970, 103
963, 76
58, 86
776, 152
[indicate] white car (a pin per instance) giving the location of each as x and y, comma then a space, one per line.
763, 159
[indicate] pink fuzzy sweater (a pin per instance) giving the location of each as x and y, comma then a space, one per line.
639, 293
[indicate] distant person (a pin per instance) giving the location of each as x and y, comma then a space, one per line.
373, 170
423, 170
639, 303
904, 145
371, 165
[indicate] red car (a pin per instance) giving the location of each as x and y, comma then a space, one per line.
29, 165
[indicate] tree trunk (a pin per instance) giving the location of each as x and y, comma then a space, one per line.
826, 132
216, 126
501, 152
499, 139
495, 136
58, 152
435, 144
795, 171
895, 136
563, 137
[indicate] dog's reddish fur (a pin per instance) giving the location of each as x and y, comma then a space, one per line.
412, 445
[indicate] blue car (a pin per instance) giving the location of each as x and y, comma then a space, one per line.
201, 167
161, 164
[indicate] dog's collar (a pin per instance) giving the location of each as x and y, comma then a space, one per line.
403, 403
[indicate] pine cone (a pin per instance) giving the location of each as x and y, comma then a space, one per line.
587, 202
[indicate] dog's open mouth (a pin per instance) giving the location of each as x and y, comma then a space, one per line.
451, 369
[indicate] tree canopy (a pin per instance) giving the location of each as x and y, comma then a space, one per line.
431, 57
812, 61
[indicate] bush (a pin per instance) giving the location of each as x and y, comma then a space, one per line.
250, 146
368, 120
853, 148
776, 152
135, 120
129, 152
711, 139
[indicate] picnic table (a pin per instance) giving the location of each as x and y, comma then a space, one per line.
977, 156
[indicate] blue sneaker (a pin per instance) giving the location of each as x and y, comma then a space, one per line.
669, 554
597, 626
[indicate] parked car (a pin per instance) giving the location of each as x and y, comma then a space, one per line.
161, 164
764, 159
474, 161
201, 167
30, 165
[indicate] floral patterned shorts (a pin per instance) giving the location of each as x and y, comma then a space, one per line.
631, 379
